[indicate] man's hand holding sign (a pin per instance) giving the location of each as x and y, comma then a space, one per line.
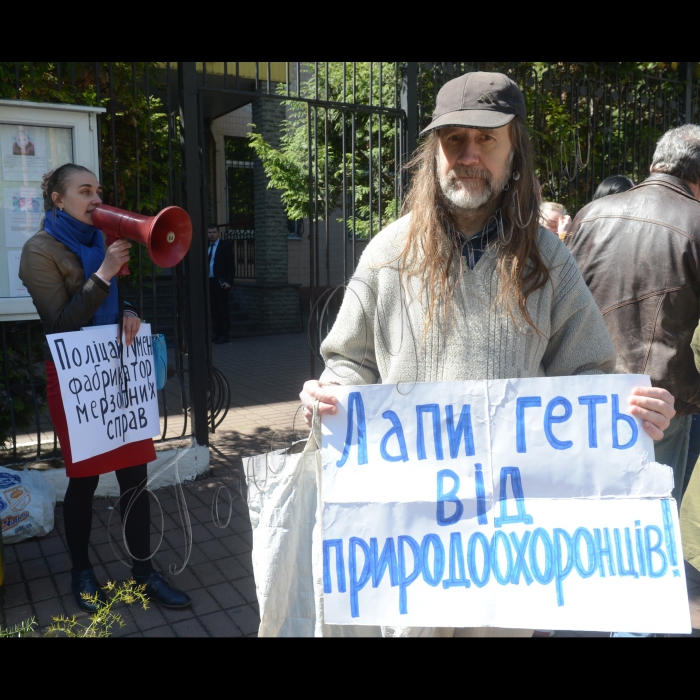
532, 503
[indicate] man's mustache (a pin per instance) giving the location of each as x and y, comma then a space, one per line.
463, 171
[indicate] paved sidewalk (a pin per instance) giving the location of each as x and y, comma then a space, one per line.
265, 375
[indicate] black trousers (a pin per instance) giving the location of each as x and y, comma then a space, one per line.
218, 300
77, 514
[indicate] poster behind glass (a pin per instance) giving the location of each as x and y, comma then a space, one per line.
27, 152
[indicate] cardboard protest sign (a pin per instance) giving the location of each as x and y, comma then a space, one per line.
530, 503
108, 402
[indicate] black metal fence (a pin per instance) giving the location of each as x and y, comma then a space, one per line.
350, 127
140, 167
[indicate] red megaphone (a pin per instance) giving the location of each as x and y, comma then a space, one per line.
167, 235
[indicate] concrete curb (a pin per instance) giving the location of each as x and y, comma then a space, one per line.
187, 464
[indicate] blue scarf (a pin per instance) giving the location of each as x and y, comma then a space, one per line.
87, 243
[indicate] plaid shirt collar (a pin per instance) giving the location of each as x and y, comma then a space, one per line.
474, 248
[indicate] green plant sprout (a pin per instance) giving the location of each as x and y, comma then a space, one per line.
24, 629
100, 623
104, 619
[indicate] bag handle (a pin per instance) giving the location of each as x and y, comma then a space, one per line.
315, 434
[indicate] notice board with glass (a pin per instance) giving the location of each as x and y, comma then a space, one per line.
35, 138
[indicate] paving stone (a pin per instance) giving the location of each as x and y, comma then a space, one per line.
208, 574
18, 615
27, 550
235, 544
246, 560
100, 535
189, 628
245, 618
200, 533
116, 572
246, 587
226, 595
34, 568
200, 514
13, 574
214, 550
202, 602
52, 544
695, 618
147, 619
59, 563
10, 554
164, 631
219, 624
70, 605
185, 581
42, 589
107, 554
231, 568
173, 616
63, 582
47, 610
130, 626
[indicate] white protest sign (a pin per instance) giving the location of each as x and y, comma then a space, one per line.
531, 503
108, 402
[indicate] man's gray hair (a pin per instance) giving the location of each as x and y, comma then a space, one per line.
678, 153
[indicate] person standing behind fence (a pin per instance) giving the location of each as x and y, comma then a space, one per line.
639, 253
613, 185
71, 279
555, 218
221, 276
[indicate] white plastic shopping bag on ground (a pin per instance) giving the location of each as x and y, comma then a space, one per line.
284, 503
27, 503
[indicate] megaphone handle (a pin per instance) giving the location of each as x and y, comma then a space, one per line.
124, 272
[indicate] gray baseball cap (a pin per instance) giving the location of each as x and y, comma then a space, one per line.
479, 101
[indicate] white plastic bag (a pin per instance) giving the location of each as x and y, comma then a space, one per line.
27, 503
284, 502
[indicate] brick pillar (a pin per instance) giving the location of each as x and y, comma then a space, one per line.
272, 302
270, 217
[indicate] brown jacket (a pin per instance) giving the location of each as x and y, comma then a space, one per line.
55, 279
639, 253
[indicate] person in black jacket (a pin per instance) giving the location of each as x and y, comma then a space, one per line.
221, 274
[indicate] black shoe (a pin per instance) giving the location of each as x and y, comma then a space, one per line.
158, 589
85, 582
221, 340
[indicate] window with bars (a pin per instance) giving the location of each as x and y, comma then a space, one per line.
239, 184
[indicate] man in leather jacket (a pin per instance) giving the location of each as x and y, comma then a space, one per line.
639, 253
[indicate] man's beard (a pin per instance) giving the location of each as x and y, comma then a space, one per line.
475, 195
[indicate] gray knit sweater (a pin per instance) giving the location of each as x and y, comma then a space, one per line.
379, 334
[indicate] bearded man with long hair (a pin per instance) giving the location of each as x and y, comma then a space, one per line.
468, 285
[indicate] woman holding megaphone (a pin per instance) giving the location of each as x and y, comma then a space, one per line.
71, 278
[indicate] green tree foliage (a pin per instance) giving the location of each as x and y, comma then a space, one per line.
368, 175
134, 127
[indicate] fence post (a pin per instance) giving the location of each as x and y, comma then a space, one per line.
196, 303
409, 104
685, 112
